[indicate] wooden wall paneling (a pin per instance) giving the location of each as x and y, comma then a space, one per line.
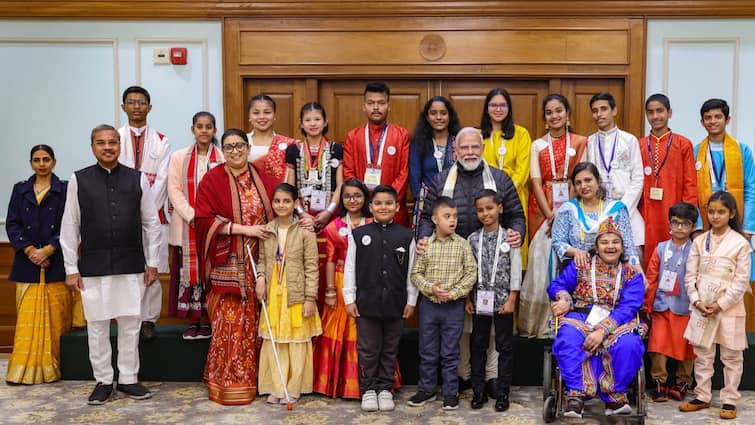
7, 299
203, 9
234, 103
289, 96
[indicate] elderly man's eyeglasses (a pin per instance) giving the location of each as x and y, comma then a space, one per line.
680, 224
229, 148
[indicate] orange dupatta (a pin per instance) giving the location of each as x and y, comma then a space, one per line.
734, 174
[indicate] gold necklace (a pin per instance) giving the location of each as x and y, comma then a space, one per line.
41, 189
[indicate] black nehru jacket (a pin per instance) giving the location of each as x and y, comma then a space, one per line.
382, 265
111, 221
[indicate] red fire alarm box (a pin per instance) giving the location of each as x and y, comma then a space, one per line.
178, 55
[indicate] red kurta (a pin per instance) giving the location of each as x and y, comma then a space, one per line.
395, 165
272, 165
678, 179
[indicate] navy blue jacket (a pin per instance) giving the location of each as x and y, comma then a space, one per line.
30, 224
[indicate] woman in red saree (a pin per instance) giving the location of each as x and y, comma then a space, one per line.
232, 208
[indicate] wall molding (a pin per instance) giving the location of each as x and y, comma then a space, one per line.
204, 61
735, 41
63, 40
211, 9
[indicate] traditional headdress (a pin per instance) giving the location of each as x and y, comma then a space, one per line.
609, 226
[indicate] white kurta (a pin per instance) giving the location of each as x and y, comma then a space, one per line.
626, 175
108, 297
154, 165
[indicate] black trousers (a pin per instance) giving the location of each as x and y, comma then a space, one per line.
504, 345
377, 347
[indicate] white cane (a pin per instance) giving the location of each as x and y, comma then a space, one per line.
289, 404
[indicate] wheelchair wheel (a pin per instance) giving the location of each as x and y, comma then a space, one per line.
549, 409
641, 396
547, 374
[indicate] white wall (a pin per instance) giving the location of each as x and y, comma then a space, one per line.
694, 60
62, 78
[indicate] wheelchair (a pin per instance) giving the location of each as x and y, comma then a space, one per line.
554, 394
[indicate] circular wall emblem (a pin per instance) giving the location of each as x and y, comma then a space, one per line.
432, 47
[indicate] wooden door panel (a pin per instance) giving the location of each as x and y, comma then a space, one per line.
342, 99
580, 91
289, 96
468, 97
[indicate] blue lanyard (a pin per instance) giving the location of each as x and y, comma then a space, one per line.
657, 172
374, 150
719, 176
613, 151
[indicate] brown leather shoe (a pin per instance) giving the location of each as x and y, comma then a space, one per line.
693, 406
728, 411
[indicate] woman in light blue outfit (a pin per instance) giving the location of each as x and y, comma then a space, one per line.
578, 220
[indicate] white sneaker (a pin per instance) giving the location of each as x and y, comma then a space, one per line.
385, 401
618, 409
369, 401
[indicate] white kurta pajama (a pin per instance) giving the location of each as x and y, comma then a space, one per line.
153, 164
111, 297
626, 174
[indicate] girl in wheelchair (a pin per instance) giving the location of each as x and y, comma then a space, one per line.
598, 346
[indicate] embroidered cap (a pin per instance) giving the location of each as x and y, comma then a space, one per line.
609, 226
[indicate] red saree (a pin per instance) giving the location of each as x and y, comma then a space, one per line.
231, 369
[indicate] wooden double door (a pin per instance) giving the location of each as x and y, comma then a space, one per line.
342, 100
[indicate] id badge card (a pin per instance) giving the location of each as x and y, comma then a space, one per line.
306, 191
597, 315
668, 281
485, 303
560, 193
656, 193
318, 200
608, 187
372, 177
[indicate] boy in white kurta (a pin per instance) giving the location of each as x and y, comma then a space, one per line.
617, 155
145, 149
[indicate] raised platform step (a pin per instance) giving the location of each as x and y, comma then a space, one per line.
170, 358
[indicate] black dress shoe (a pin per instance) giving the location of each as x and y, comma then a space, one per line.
491, 388
147, 333
464, 384
479, 400
502, 404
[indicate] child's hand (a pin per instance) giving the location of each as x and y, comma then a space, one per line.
468, 307
308, 310
441, 294
421, 246
508, 307
560, 307
260, 289
408, 311
331, 301
351, 310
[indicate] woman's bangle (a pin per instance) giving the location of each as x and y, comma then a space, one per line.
299, 210
230, 228
332, 207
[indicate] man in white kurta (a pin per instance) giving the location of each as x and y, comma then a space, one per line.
115, 264
617, 155
145, 149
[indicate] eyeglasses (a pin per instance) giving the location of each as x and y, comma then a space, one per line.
103, 143
497, 106
132, 102
681, 224
229, 148
355, 197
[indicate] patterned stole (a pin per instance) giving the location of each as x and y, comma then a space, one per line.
734, 174
189, 270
